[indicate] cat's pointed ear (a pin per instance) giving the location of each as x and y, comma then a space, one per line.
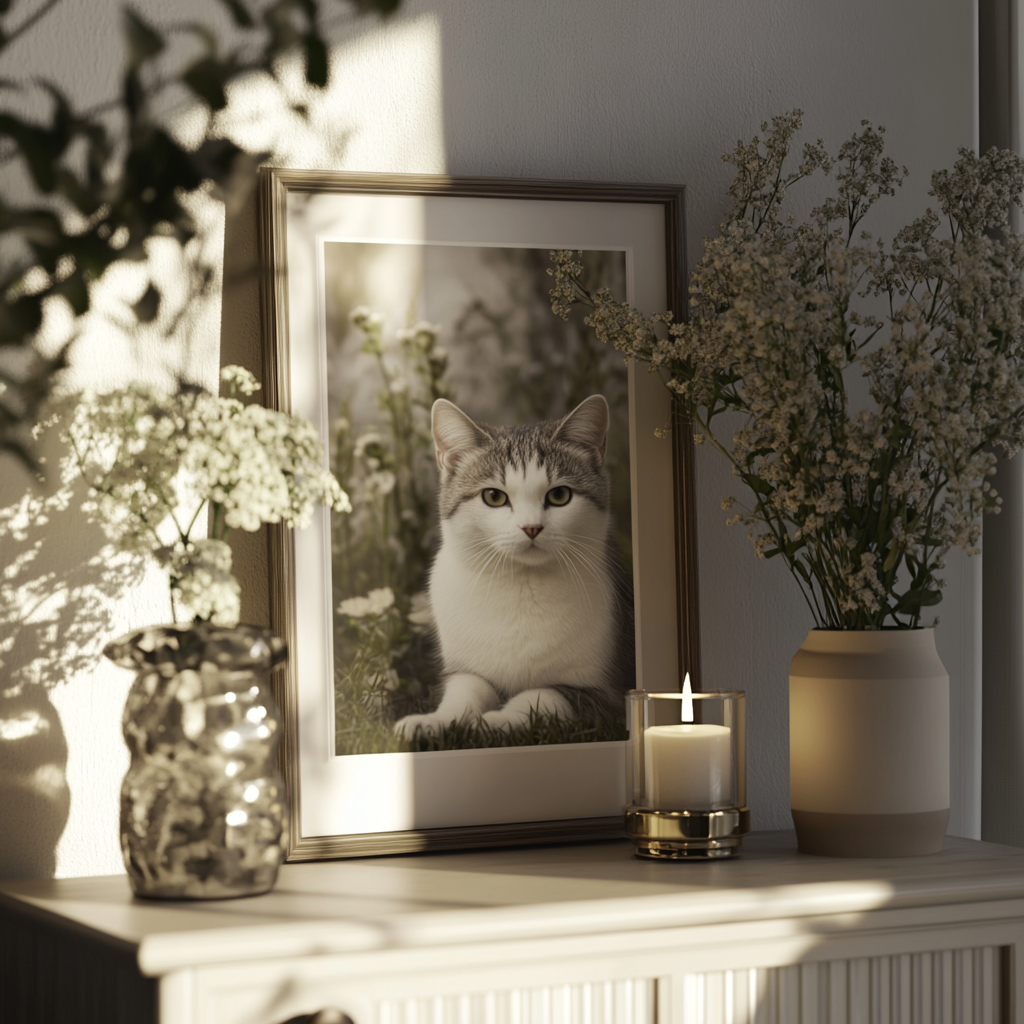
454, 432
587, 425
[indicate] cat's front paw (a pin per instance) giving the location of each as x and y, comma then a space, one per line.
524, 707
504, 718
427, 726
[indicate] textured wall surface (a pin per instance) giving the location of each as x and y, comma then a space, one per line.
624, 90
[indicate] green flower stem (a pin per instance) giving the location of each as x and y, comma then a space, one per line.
195, 516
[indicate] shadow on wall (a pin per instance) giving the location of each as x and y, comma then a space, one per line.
60, 581
241, 344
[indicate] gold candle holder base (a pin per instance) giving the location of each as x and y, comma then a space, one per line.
687, 835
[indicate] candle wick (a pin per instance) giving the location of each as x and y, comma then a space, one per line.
687, 701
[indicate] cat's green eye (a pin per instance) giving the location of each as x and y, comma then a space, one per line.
559, 496
494, 498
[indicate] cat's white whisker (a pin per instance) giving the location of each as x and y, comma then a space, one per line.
493, 556
577, 580
595, 564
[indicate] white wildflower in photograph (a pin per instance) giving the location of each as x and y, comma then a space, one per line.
382, 482
420, 612
376, 602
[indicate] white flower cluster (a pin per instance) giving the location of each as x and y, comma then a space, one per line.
201, 578
784, 316
151, 458
376, 602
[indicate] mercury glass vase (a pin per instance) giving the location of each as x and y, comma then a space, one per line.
203, 806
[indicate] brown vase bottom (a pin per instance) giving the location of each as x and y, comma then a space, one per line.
870, 835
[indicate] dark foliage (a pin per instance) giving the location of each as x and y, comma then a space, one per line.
109, 178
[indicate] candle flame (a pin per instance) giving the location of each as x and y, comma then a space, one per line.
687, 701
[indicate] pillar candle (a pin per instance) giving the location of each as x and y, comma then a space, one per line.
688, 767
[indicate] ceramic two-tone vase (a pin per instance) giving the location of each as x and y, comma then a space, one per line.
869, 743
203, 806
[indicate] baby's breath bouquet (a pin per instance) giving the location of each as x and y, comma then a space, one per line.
873, 381
152, 461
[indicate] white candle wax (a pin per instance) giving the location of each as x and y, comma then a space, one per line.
688, 767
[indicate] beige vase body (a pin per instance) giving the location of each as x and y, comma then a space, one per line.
869, 743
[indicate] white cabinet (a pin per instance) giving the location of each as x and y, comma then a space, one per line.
568, 935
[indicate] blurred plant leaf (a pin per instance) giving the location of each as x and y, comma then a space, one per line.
379, 6
148, 306
109, 178
207, 78
316, 60
239, 13
143, 42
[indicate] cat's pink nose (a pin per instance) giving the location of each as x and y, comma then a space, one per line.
532, 531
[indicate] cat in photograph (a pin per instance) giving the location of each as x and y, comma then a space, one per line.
532, 611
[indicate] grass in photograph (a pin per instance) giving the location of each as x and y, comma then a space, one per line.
362, 727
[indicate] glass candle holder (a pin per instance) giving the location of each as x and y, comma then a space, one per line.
686, 774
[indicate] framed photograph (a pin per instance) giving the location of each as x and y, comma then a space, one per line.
520, 547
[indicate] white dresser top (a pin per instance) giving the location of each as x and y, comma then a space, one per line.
511, 894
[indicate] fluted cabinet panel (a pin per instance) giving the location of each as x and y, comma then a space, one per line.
611, 1002
960, 986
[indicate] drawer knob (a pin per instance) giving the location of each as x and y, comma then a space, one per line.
326, 1016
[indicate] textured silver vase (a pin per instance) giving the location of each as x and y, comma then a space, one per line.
203, 807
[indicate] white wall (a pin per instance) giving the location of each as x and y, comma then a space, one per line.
622, 90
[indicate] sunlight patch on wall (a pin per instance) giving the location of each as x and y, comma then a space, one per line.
19, 727
64, 593
90, 706
181, 340
382, 110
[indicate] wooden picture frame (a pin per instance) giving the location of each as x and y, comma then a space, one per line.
379, 803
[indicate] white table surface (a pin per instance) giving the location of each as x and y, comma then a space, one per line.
511, 894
